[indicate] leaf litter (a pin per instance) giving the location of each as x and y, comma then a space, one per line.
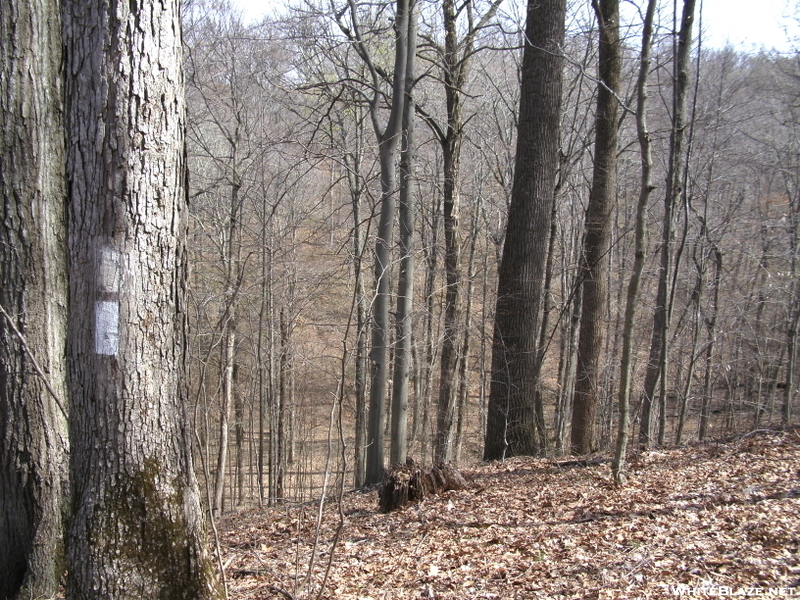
712, 516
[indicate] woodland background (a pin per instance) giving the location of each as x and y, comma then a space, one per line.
284, 192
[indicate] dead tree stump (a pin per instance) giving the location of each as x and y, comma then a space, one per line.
409, 483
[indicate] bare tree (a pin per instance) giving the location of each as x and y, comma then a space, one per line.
645, 189
596, 242
405, 279
510, 428
388, 137
453, 59
659, 351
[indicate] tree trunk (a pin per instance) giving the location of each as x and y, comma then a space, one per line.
455, 59
387, 149
463, 376
362, 313
405, 279
646, 187
657, 364
33, 295
137, 526
596, 245
510, 428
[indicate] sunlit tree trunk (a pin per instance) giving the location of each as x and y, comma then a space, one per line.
137, 527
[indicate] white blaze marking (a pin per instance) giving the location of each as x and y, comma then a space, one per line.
106, 329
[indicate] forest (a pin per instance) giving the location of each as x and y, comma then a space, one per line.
285, 185
246, 268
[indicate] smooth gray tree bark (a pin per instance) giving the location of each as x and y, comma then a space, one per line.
388, 137
405, 281
645, 189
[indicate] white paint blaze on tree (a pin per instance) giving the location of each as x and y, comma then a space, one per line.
137, 526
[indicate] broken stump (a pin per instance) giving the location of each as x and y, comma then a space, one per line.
409, 483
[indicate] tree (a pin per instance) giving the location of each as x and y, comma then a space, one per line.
33, 293
453, 59
596, 241
405, 279
510, 427
137, 526
387, 137
657, 365
645, 189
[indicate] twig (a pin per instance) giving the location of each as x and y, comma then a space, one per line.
276, 590
36, 366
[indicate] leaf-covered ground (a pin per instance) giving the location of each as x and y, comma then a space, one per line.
722, 518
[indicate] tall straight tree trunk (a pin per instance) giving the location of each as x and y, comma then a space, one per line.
448, 381
362, 314
463, 376
387, 150
455, 57
426, 366
137, 526
659, 351
405, 279
596, 243
264, 358
230, 259
228, 346
793, 308
510, 427
645, 189
33, 296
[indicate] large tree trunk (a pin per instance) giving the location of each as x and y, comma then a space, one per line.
33, 293
598, 232
510, 428
137, 526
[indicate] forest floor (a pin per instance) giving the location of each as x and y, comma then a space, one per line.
709, 520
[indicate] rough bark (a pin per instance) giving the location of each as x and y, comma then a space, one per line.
33, 293
137, 528
510, 428
597, 237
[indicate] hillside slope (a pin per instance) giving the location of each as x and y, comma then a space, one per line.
705, 516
